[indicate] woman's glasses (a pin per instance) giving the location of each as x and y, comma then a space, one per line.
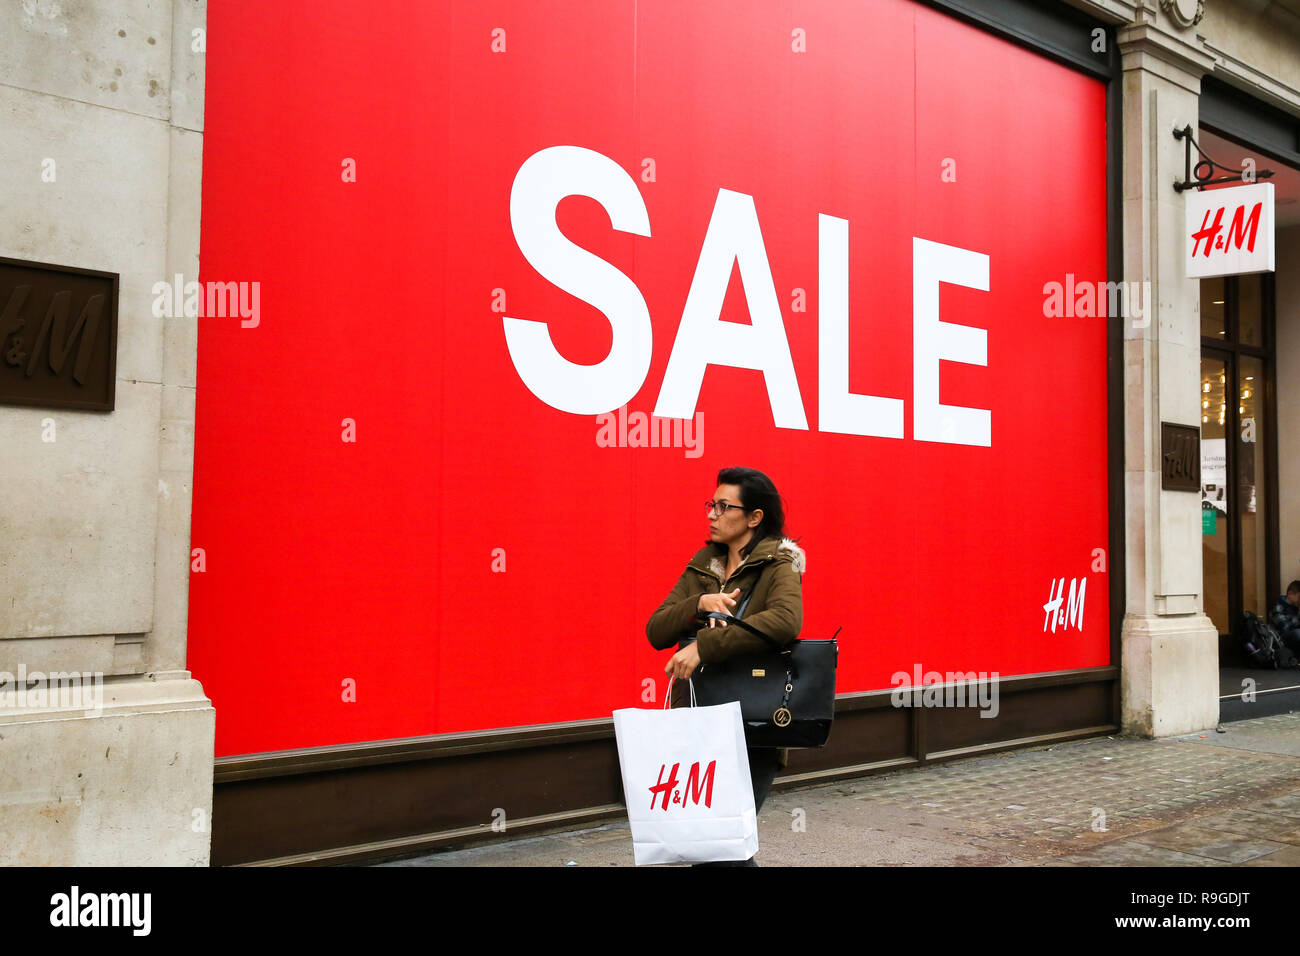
720, 507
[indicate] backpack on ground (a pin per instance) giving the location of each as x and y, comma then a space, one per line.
1262, 646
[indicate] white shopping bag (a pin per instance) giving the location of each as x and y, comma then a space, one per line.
686, 781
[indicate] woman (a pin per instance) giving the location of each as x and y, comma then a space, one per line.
747, 553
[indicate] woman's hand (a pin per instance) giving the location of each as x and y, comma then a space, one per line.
718, 602
683, 663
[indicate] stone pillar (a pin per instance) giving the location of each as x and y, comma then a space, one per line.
100, 168
1170, 660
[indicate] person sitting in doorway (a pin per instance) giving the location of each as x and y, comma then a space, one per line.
1284, 615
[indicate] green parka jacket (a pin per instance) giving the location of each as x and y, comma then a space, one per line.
772, 574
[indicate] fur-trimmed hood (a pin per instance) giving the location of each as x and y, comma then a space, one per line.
768, 549
799, 560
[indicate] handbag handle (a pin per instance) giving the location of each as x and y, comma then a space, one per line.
780, 648
785, 650
723, 616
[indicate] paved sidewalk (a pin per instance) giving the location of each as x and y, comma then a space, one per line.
1212, 799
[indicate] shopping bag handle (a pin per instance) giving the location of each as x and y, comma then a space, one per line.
668, 696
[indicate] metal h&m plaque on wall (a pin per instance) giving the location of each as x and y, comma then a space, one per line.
1180, 457
58, 336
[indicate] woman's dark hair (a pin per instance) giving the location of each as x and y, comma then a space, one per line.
757, 491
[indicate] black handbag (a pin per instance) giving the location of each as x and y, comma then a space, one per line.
786, 694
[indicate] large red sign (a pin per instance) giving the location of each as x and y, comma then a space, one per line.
531, 273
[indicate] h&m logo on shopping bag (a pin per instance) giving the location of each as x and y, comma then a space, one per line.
695, 784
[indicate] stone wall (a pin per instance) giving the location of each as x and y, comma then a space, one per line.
101, 108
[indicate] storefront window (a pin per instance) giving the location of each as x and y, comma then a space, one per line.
1237, 509
1214, 491
1213, 312
1250, 310
1250, 475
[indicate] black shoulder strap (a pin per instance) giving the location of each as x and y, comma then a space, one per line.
719, 615
781, 648
740, 611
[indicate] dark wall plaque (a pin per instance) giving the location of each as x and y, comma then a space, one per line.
58, 336
1180, 454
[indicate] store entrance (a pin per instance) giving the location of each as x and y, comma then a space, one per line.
1238, 454
1250, 410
